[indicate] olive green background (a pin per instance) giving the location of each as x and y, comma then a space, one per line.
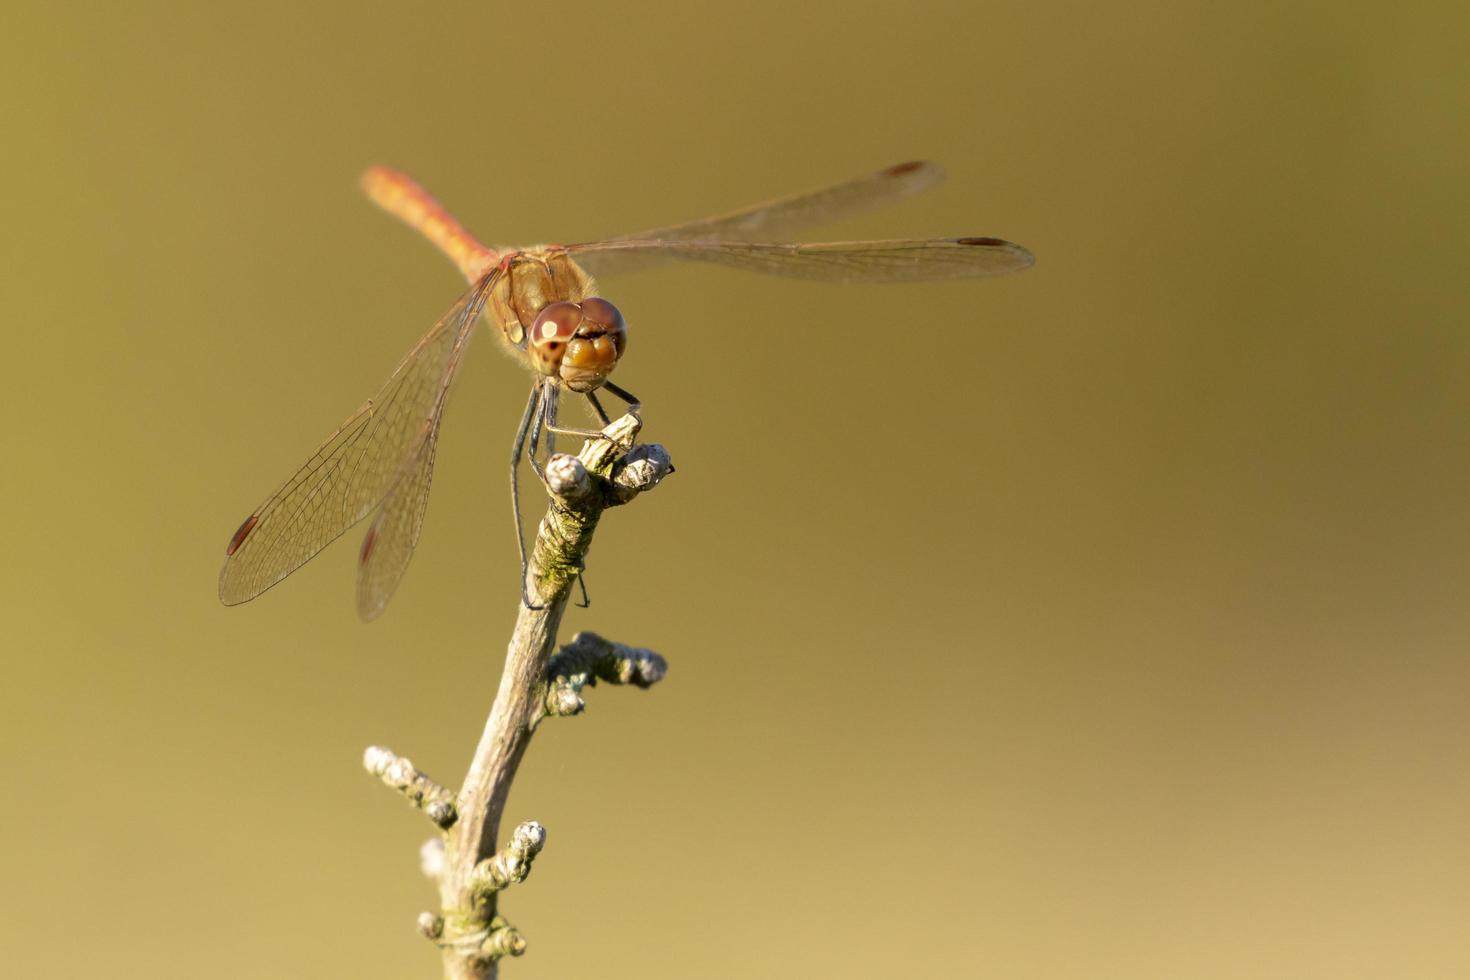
1105, 621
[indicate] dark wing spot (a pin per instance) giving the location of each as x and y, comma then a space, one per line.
899, 169
368, 540
984, 242
241, 533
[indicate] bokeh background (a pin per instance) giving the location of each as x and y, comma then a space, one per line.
1127, 640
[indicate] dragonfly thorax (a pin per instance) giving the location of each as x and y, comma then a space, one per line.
546, 311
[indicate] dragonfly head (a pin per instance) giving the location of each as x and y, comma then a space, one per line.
578, 343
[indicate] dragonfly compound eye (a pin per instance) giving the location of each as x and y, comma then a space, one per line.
594, 349
553, 328
600, 315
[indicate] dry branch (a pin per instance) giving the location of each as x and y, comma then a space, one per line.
609, 471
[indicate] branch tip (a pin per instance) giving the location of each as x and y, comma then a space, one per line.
511, 864
563, 701
431, 925
529, 837
566, 476
642, 469
617, 440
588, 659
422, 792
503, 940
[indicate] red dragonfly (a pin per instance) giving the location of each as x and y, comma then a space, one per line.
544, 306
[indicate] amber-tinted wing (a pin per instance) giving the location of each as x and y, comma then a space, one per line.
774, 220
898, 260
382, 453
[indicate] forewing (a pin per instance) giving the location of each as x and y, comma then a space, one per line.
898, 260
774, 220
356, 466
389, 542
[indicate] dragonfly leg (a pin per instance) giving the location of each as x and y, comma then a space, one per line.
551, 402
540, 417
597, 407
538, 423
531, 415
584, 433
546, 422
552, 427
634, 405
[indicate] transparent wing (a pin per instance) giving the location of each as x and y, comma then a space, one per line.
357, 466
774, 220
898, 260
389, 542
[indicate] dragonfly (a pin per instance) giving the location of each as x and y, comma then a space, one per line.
544, 305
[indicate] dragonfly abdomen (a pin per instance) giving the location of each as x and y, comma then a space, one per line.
402, 197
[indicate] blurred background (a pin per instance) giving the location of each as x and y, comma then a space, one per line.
1127, 642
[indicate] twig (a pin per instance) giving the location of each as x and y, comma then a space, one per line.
421, 791
609, 471
588, 659
510, 865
